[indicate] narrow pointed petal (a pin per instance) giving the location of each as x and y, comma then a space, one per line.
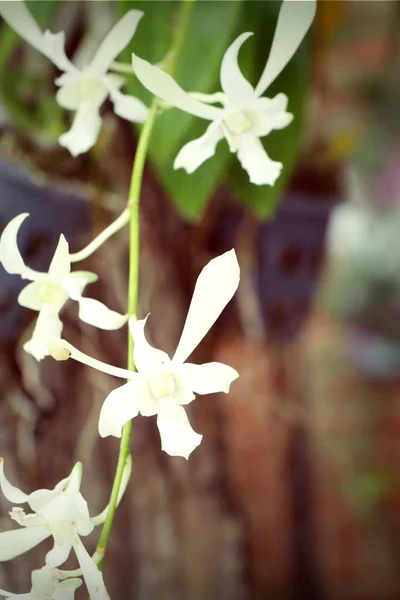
53, 46
233, 83
74, 479
60, 265
10, 256
84, 131
91, 574
18, 541
100, 518
129, 107
208, 378
194, 153
115, 41
295, 18
177, 436
97, 314
47, 330
30, 296
165, 87
255, 160
147, 358
58, 554
214, 288
82, 517
19, 18
75, 283
119, 407
12, 493
66, 350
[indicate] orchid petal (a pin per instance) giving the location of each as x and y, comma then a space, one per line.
58, 554
60, 265
53, 46
177, 436
67, 350
214, 288
194, 153
114, 42
48, 328
91, 574
43, 582
65, 590
128, 107
82, 517
10, 256
30, 296
11, 596
84, 131
19, 18
208, 378
119, 407
147, 358
75, 283
233, 83
18, 541
270, 114
97, 314
12, 493
162, 85
255, 160
100, 518
295, 18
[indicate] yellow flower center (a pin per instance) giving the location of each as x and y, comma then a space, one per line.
51, 293
237, 122
162, 385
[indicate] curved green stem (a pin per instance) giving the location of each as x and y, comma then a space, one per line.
133, 207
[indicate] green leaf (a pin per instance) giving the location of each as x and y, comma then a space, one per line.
281, 145
212, 29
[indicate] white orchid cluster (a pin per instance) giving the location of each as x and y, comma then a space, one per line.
160, 386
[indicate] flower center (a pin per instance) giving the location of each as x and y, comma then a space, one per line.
237, 122
51, 293
162, 385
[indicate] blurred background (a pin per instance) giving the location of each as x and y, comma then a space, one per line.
294, 492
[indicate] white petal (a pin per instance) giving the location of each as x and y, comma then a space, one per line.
11, 596
43, 582
295, 18
194, 153
17, 15
58, 554
214, 288
10, 255
234, 84
75, 283
165, 87
255, 160
18, 541
84, 131
147, 358
91, 574
119, 407
97, 314
100, 518
53, 46
177, 436
30, 296
129, 107
115, 41
48, 329
65, 590
208, 378
270, 114
65, 348
12, 493
82, 517
60, 265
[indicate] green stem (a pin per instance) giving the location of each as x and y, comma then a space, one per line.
133, 206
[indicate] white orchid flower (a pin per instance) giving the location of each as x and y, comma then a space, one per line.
83, 90
46, 586
48, 292
245, 116
61, 513
163, 386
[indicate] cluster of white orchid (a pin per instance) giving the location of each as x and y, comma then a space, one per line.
160, 385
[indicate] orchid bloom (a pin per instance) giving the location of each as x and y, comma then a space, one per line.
48, 292
82, 89
245, 116
46, 586
62, 513
163, 386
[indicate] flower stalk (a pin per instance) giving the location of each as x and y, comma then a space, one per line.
133, 285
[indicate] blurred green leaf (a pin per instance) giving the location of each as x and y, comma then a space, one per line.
281, 145
212, 29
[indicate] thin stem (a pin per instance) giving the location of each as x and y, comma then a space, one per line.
133, 206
